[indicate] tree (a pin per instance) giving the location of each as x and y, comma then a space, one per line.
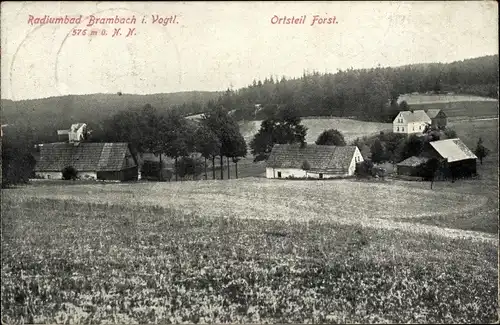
450, 133
174, 137
331, 137
69, 173
481, 151
306, 166
411, 147
150, 127
430, 168
186, 166
377, 151
17, 163
403, 106
283, 128
208, 145
227, 131
238, 150
235, 145
364, 169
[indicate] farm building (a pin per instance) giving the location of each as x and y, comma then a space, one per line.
438, 118
411, 166
103, 161
311, 160
409, 122
458, 161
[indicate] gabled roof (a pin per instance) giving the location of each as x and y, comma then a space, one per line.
433, 112
413, 161
320, 158
82, 156
453, 150
415, 116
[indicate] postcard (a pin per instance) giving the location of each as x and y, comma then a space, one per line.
249, 162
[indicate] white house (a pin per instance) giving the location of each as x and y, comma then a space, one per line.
311, 160
409, 122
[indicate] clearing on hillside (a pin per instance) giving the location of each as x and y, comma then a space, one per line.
351, 129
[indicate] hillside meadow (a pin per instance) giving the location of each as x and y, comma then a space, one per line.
248, 250
351, 129
415, 99
471, 130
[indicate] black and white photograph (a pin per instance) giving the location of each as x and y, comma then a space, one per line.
229, 162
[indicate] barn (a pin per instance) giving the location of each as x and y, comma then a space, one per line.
102, 161
458, 161
438, 118
312, 161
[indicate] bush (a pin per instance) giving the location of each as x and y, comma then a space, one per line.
189, 166
69, 173
17, 164
364, 169
331, 137
151, 170
450, 133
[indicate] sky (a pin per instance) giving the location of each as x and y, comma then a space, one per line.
218, 45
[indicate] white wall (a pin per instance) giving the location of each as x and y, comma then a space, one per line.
416, 127
357, 158
49, 175
58, 175
285, 172
87, 175
397, 125
299, 173
410, 128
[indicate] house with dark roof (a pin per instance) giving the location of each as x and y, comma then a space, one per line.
102, 161
412, 166
313, 161
410, 122
438, 118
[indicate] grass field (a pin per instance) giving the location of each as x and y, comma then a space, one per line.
249, 250
470, 131
351, 129
430, 99
463, 109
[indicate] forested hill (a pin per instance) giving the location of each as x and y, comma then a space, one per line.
366, 93
44, 116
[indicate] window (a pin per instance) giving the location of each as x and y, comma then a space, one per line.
402, 129
398, 128
420, 127
279, 174
414, 128
320, 176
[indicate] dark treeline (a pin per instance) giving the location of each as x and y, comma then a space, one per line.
168, 133
364, 94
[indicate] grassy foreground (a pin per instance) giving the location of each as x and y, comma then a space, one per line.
70, 262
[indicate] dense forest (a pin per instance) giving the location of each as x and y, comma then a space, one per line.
364, 94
